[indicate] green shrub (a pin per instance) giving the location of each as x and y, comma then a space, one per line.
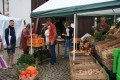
27, 59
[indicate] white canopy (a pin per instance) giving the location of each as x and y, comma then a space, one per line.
55, 8
57, 4
115, 11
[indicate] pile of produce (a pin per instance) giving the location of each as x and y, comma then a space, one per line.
27, 72
108, 44
90, 72
30, 72
108, 63
86, 47
27, 59
99, 37
105, 48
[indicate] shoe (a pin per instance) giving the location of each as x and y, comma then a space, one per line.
10, 67
65, 57
55, 63
4, 68
50, 65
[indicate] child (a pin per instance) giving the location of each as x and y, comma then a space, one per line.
2, 61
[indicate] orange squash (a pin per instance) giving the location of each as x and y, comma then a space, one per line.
31, 69
28, 71
23, 76
23, 72
28, 75
36, 72
33, 75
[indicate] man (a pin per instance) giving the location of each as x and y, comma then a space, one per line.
52, 38
10, 38
68, 41
102, 27
24, 36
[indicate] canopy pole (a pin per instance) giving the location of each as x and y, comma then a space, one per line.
114, 20
37, 21
114, 17
31, 38
76, 36
75, 16
3, 7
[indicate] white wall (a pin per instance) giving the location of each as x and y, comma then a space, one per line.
1, 6
20, 9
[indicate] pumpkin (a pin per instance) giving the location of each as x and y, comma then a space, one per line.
28, 75
23, 76
31, 69
23, 72
28, 71
33, 75
36, 72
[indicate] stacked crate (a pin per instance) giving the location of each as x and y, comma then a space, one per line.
86, 68
36, 42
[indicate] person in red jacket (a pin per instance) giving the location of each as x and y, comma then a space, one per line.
24, 36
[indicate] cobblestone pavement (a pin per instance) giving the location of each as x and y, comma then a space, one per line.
60, 71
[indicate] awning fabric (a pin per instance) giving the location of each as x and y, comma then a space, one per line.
54, 8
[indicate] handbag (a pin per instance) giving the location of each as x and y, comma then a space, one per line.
9, 36
55, 42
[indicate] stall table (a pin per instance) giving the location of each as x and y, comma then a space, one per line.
60, 41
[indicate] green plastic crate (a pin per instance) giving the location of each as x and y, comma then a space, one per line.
115, 61
118, 66
118, 77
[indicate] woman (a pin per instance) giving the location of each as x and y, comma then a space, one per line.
24, 36
68, 36
43, 33
47, 36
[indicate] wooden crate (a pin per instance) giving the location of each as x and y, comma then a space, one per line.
80, 57
108, 53
107, 44
78, 53
76, 76
108, 63
77, 64
78, 60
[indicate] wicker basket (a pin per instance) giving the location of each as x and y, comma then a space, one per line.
30, 78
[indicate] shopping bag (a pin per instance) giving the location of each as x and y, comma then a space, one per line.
9, 36
3, 62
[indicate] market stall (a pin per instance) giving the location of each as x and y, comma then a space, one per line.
80, 8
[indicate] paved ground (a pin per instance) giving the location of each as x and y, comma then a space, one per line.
59, 71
